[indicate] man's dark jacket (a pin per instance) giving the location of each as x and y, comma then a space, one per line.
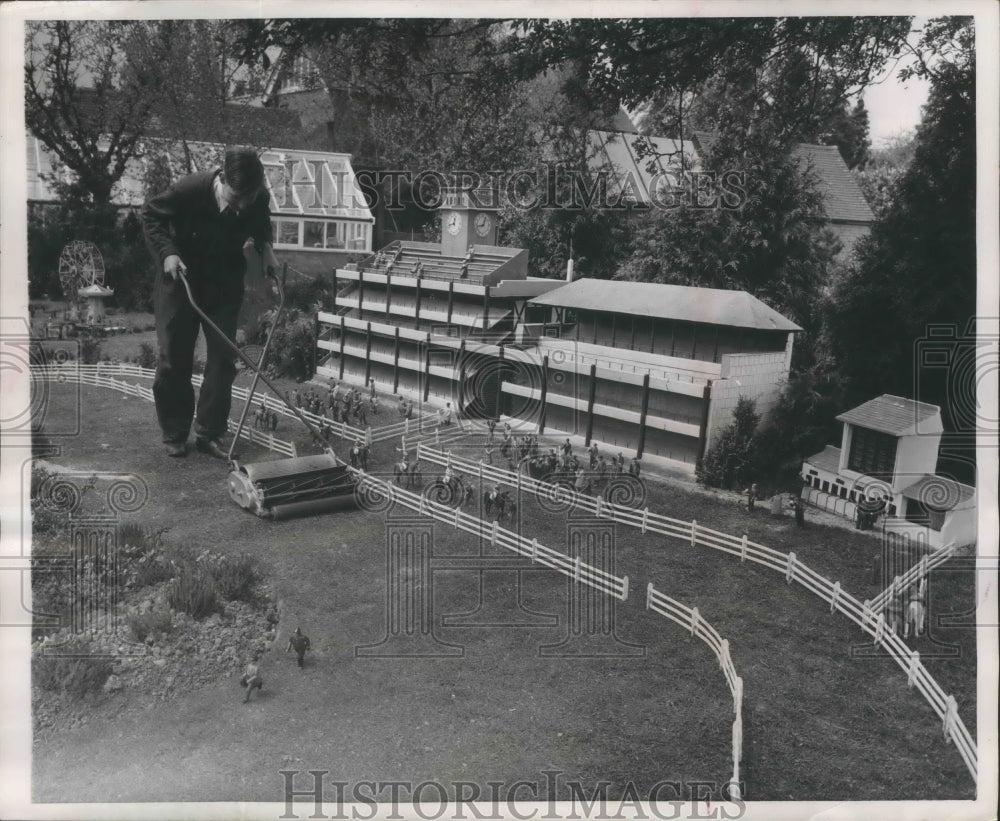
185, 220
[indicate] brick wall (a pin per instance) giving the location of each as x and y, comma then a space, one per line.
756, 376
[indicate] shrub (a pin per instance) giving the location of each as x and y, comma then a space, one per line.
79, 674
153, 569
193, 592
293, 347
152, 624
90, 349
147, 356
236, 577
728, 462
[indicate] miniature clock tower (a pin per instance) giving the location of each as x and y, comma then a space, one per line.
468, 217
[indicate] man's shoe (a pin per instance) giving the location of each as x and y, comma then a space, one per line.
176, 449
211, 447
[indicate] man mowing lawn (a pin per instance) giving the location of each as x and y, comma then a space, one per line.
199, 227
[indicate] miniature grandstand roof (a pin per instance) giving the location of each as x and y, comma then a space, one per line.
894, 415
711, 306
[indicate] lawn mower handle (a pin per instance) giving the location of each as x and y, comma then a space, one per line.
268, 272
246, 359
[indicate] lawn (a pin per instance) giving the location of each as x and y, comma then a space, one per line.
522, 695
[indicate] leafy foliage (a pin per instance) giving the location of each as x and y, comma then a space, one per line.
772, 246
74, 671
918, 267
193, 591
292, 347
728, 463
883, 171
796, 72
92, 128
151, 624
128, 268
147, 356
237, 577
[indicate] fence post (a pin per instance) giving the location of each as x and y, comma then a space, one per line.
695, 618
576, 568
649, 595
493, 534
911, 670
835, 597
624, 588
949, 717
743, 549
645, 517
724, 654
534, 550
598, 513
866, 613
694, 532
790, 569
879, 629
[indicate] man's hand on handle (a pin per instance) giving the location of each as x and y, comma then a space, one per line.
270, 262
173, 266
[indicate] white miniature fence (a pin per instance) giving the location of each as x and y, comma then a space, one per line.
101, 377
691, 532
914, 575
577, 570
690, 619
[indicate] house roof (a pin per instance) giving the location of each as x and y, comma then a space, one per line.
710, 306
827, 459
894, 415
941, 493
619, 155
842, 196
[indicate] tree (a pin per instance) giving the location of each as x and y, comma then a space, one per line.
799, 70
919, 265
883, 171
423, 93
757, 226
848, 130
728, 462
200, 75
86, 100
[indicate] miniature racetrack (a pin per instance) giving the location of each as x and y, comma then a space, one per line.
818, 724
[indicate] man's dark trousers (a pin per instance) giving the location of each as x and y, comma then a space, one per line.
185, 221
177, 328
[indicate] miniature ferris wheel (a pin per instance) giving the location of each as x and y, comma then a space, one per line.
81, 274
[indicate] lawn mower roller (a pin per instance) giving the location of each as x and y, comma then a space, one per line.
282, 488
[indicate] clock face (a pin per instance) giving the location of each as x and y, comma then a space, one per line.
454, 223
483, 224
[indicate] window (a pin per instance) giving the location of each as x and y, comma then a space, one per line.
872, 453
286, 232
313, 234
